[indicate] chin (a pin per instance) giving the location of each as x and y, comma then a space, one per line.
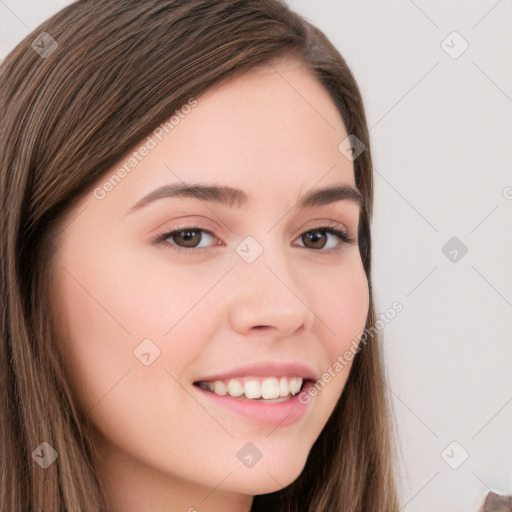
267, 478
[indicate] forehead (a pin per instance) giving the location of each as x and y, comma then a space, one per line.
273, 132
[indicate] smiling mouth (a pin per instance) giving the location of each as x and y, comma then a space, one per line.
275, 389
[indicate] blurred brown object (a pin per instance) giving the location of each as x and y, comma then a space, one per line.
496, 503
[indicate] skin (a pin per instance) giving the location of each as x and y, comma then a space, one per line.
163, 445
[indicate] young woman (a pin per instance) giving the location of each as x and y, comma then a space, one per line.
186, 196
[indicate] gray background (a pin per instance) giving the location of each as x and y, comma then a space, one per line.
441, 128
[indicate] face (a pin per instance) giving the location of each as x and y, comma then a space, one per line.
248, 294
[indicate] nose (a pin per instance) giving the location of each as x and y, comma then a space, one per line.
270, 295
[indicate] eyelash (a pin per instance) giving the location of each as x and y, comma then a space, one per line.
161, 240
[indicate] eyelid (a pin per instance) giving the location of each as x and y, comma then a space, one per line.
329, 226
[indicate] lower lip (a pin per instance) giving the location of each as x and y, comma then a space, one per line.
264, 413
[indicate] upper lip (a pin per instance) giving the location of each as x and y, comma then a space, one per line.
266, 369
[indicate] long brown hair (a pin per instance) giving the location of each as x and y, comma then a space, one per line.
72, 109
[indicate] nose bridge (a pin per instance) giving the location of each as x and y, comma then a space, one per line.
267, 291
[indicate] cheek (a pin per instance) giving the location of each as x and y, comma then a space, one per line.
106, 309
109, 307
94, 338
343, 309
343, 306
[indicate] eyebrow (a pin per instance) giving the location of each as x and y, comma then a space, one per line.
237, 198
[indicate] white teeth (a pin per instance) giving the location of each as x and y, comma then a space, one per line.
270, 388
284, 390
252, 389
294, 385
219, 388
255, 388
234, 388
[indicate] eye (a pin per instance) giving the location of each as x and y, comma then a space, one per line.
189, 239
318, 238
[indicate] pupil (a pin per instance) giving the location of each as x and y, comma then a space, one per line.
314, 236
189, 236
